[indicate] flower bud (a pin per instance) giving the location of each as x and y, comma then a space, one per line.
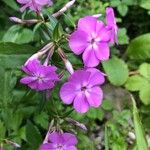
69, 67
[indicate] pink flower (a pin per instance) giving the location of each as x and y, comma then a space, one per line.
39, 77
82, 89
35, 5
111, 23
91, 38
60, 141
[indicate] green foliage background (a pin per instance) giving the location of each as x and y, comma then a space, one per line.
25, 115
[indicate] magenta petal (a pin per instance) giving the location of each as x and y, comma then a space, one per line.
42, 2
80, 104
31, 66
95, 96
71, 148
87, 24
99, 26
27, 80
23, 1
46, 147
110, 17
80, 77
69, 139
56, 138
89, 58
96, 77
103, 52
105, 34
67, 93
78, 41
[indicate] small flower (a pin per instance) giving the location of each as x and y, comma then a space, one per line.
60, 141
39, 77
82, 89
35, 5
91, 39
111, 23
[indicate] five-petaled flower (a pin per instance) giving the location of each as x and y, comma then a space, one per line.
82, 89
60, 141
35, 5
111, 23
39, 77
91, 38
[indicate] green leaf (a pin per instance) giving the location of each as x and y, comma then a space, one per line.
33, 136
139, 131
107, 105
115, 3
58, 31
12, 4
42, 120
2, 131
139, 48
116, 70
145, 94
144, 70
18, 34
145, 4
123, 9
135, 83
122, 36
14, 55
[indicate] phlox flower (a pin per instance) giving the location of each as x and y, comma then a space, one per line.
83, 90
35, 5
111, 23
39, 77
60, 141
91, 38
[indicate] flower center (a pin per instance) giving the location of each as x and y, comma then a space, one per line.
59, 147
40, 78
83, 88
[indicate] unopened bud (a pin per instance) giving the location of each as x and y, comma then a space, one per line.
69, 67
21, 21
16, 145
97, 15
76, 123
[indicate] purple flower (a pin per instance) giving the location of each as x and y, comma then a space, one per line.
111, 23
91, 38
60, 141
82, 89
39, 77
35, 5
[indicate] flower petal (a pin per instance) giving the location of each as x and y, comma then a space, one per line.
69, 139
89, 58
96, 77
87, 24
78, 41
70, 148
95, 96
104, 34
46, 147
80, 103
102, 52
27, 80
68, 93
56, 138
79, 78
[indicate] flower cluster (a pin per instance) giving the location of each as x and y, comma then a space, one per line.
39, 77
82, 89
92, 38
35, 5
60, 141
